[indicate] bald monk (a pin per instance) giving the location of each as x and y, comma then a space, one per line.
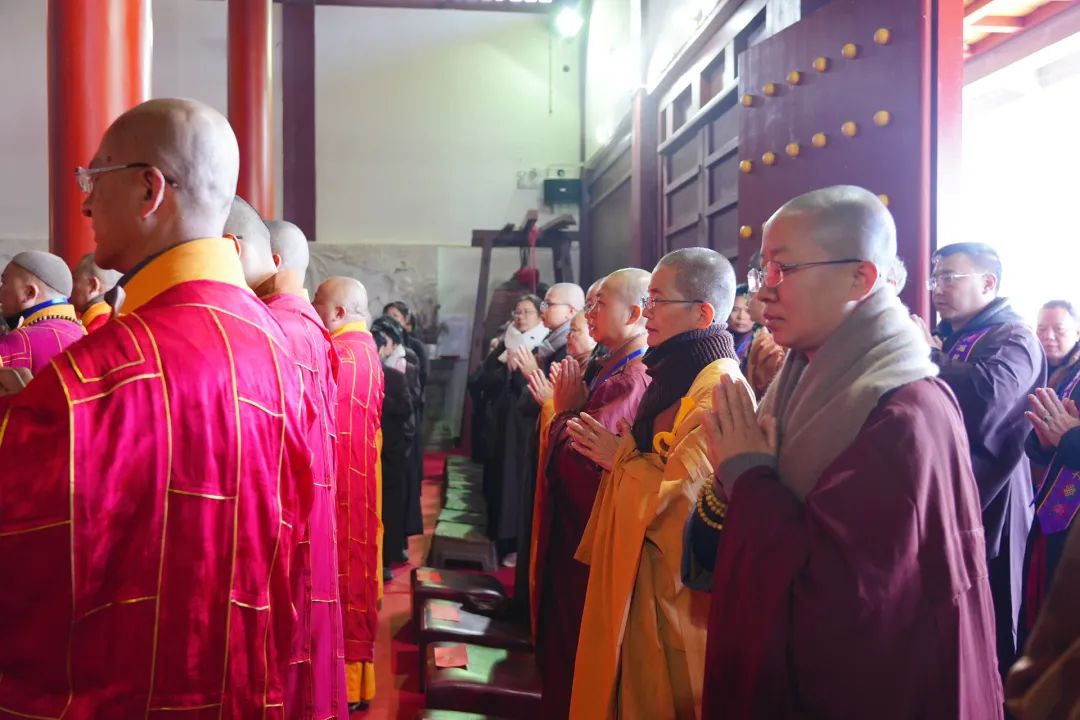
153, 475
34, 290
342, 304
290, 248
91, 282
568, 481
642, 643
316, 671
850, 578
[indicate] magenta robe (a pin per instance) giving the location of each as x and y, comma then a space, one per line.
316, 676
359, 412
37, 342
571, 484
871, 599
154, 479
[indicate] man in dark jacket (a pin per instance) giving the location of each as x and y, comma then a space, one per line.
417, 358
991, 360
398, 428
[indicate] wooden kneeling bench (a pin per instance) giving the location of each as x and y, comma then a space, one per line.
482, 593
470, 627
496, 681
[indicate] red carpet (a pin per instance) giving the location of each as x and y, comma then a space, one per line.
396, 663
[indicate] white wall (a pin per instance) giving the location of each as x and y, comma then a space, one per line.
613, 70
24, 132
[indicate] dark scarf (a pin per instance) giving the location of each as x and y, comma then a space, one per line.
1060, 374
673, 367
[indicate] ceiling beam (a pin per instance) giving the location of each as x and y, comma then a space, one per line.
998, 24
977, 10
1037, 17
534, 7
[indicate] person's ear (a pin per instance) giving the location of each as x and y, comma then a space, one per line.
635, 315
154, 186
864, 280
706, 314
96, 287
277, 261
236, 243
990, 284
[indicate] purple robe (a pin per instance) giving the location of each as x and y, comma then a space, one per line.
1057, 505
868, 600
43, 336
572, 482
991, 366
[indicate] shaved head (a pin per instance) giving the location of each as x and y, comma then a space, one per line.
843, 241
31, 278
253, 236
47, 269
91, 282
290, 244
703, 275
568, 293
341, 300
846, 221
629, 284
182, 193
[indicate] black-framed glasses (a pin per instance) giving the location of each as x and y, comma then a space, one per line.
649, 303
85, 176
773, 273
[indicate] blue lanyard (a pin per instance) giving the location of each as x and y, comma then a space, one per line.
600, 380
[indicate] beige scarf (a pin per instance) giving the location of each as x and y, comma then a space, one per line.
821, 406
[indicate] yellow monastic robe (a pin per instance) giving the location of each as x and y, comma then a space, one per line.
547, 414
642, 647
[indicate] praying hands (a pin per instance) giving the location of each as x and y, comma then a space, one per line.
595, 441
1051, 417
570, 391
733, 428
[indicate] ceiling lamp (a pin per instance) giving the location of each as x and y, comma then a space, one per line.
568, 22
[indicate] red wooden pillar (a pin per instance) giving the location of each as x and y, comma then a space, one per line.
98, 67
249, 99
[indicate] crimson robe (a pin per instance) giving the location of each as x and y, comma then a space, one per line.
316, 676
40, 338
96, 316
154, 479
566, 494
359, 414
869, 600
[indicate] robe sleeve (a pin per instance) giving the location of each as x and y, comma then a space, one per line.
1058, 625
1036, 452
35, 517
1069, 448
987, 385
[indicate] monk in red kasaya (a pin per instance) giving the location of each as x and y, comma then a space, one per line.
34, 290
342, 304
157, 476
316, 673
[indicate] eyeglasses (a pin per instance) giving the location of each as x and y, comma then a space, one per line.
773, 273
85, 176
545, 305
589, 307
948, 279
649, 303
522, 313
